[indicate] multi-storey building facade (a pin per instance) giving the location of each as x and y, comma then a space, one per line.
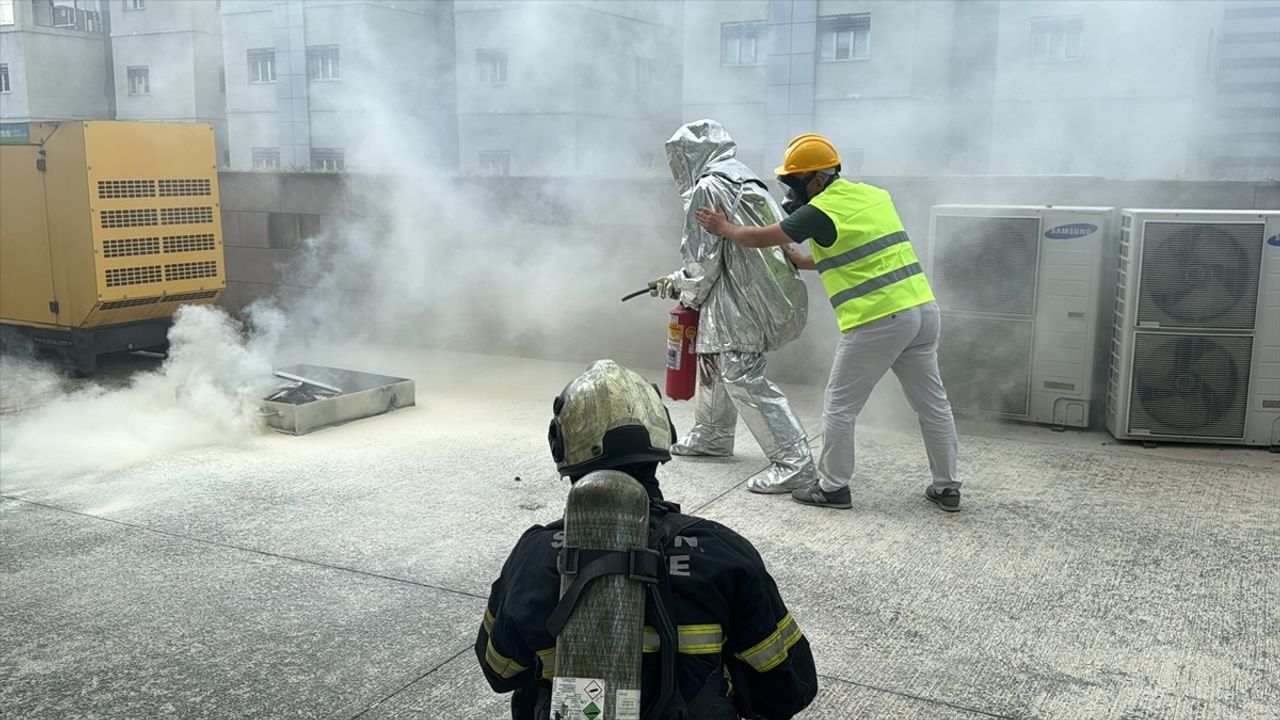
586, 88
1121, 89
167, 63
335, 84
53, 61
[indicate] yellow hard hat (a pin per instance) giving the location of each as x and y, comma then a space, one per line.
808, 153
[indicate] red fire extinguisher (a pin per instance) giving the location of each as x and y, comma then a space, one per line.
682, 358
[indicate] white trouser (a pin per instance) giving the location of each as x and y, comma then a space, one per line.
907, 343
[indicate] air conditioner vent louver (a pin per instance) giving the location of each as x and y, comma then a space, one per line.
1190, 385
986, 264
986, 363
1200, 275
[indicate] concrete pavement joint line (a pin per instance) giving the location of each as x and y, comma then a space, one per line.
983, 713
241, 548
411, 683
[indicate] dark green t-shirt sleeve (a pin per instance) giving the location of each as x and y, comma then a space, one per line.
809, 222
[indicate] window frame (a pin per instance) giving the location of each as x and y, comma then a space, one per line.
135, 5
850, 24
1057, 33
336, 156
7, 17
485, 163
738, 30
256, 56
131, 73
500, 56
6, 84
264, 158
321, 53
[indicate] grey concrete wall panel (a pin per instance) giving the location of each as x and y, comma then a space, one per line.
789, 81
246, 191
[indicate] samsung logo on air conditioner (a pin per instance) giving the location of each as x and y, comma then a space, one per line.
1274, 240
1071, 231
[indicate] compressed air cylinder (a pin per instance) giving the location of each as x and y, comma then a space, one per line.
599, 650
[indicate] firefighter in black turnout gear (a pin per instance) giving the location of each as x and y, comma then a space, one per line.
740, 652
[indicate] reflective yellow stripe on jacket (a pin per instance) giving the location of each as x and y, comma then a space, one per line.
871, 270
770, 652
693, 640
499, 663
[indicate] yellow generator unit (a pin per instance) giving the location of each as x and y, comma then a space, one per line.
105, 229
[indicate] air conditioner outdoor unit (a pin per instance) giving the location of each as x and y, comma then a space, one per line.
1195, 352
64, 17
1025, 294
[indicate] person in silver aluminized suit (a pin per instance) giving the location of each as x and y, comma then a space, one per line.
750, 301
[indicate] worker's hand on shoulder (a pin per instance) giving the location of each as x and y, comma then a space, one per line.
663, 287
713, 221
798, 258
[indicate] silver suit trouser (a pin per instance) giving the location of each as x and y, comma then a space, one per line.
907, 343
732, 384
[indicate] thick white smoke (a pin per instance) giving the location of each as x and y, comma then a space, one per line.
205, 393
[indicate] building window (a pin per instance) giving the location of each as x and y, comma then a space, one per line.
262, 65
1056, 39
65, 14
266, 158
288, 231
742, 43
327, 159
135, 4
6, 12
139, 80
491, 66
4, 78
845, 37
495, 162
322, 63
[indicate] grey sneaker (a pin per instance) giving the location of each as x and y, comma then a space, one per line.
815, 495
948, 499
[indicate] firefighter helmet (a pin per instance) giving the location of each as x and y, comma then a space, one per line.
808, 153
607, 417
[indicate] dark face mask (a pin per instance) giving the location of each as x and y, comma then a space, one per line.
796, 196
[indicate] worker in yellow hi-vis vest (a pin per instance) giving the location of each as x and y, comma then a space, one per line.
883, 304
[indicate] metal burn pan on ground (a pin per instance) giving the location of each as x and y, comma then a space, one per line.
315, 396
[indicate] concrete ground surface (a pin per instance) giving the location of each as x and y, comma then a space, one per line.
343, 574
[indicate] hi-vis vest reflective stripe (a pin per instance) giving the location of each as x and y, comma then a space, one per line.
870, 271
